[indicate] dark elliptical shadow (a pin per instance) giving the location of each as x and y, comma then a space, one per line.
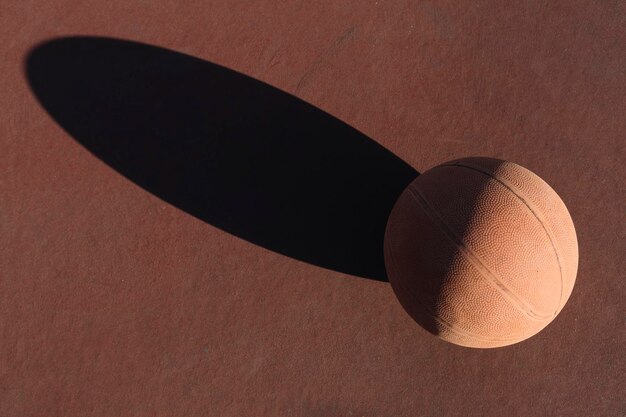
226, 148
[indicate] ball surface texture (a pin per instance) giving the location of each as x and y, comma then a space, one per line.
481, 252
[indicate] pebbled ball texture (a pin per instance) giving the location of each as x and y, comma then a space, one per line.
481, 252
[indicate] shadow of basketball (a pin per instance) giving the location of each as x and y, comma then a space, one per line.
228, 149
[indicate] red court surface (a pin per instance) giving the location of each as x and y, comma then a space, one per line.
192, 202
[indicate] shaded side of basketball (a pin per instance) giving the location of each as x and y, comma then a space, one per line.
481, 252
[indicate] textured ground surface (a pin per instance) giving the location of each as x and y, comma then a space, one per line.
121, 297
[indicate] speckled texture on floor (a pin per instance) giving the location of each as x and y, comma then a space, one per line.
118, 297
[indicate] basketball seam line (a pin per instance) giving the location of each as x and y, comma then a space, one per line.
458, 331
513, 189
492, 278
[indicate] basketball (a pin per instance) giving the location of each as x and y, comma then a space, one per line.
481, 252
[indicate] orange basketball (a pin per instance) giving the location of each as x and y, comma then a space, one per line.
481, 252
